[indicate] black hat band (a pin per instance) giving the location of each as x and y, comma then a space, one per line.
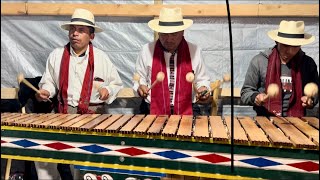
177, 23
82, 20
285, 35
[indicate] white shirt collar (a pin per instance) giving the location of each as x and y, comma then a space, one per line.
75, 54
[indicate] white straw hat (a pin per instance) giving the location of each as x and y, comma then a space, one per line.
291, 33
170, 21
82, 17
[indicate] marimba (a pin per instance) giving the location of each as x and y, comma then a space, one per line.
187, 145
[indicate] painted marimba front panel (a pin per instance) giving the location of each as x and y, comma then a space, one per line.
189, 144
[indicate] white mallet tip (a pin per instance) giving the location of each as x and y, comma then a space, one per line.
160, 76
190, 77
20, 77
311, 89
273, 90
226, 78
136, 77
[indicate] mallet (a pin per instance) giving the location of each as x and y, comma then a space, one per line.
136, 77
310, 90
159, 78
190, 79
21, 78
272, 91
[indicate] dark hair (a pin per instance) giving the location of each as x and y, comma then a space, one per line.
91, 29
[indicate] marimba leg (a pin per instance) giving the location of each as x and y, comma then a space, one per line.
8, 167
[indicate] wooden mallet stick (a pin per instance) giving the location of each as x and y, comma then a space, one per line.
159, 78
21, 78
226, 78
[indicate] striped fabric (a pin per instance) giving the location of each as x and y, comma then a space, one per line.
171, 84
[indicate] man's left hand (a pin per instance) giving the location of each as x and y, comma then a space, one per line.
203, 93
104, 94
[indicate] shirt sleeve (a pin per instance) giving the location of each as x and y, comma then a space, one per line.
249, 90
141, 68
201, 76
47, 81
114, 82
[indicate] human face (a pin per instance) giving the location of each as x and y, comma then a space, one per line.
287, 52
79, 37
171, 41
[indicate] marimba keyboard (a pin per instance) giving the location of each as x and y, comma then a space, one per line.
286, 132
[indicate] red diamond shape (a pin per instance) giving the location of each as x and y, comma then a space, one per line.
132, 151
307, 166
3, 141
213, 158
58, 146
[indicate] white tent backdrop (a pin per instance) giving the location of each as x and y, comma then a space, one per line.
27, 40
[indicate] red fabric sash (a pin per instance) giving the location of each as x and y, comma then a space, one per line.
160, 97
86, 86
274, 105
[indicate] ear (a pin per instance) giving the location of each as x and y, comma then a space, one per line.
92, 36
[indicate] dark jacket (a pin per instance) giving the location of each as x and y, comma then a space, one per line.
255, 79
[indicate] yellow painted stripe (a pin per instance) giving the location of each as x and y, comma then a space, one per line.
127, 167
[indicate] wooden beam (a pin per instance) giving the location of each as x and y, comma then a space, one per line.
307, 10
152, 10
13, 9
9, 93
226, 92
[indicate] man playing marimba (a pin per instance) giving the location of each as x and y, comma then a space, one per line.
173, 57
82, 76
287, 66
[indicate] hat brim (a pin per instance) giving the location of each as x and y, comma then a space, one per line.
154, 25
308, 38
67, 26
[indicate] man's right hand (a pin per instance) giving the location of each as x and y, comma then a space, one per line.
43, 95
143, 91
260, 99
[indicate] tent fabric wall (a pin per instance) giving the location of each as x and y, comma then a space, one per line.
27, 40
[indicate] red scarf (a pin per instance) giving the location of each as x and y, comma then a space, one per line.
160, 96
64, 80
274, 105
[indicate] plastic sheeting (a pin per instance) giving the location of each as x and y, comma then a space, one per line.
27, 41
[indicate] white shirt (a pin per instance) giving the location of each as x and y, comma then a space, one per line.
144, 68
103, 68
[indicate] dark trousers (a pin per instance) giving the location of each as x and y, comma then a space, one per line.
65, 171
30, 171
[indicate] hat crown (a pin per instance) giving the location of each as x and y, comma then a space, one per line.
170, 15
291, 27
83, 14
